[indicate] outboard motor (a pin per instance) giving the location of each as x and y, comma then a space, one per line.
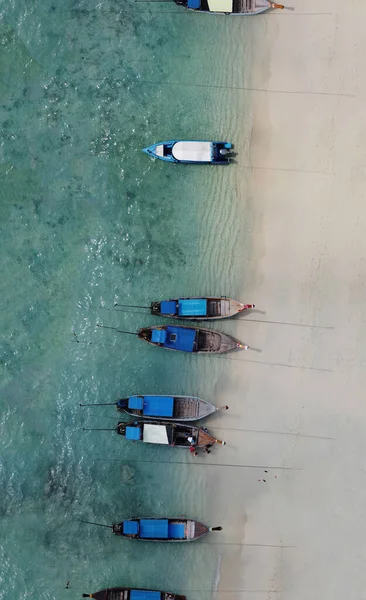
122, 404
117, 528
225, 152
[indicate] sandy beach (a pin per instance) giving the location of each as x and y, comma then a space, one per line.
296, 509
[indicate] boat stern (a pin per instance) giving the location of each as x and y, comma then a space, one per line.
222, 152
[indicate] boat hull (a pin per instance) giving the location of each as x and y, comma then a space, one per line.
184, 152
124, 593
219, 308
243, 8
178, 435
194, 530
208, 341
186, 409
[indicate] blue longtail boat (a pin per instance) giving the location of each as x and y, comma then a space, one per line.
190, 339
199, 309
192, 152
152, 529
168, 408
172, 408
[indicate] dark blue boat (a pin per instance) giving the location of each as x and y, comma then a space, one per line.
163, 530
199, 309
174, 408
190, 339
124, 593
193, 152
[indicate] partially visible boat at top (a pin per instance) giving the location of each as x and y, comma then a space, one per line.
230, 7
191, 151
125, 593
199, 309
172, 408
190, 339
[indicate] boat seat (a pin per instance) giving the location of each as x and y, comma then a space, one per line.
190, 529
243, 5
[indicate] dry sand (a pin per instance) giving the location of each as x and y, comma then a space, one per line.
301, 534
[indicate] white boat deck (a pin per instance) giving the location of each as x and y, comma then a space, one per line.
192, 151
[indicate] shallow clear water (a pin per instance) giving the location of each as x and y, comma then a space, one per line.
86, 220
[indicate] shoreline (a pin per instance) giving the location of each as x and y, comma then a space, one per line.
298, 417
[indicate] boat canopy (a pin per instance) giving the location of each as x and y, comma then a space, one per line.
168, 307
136, 402
192, 308
152, 406
175, 338
180, 338
194, 4
130, 527
225, 6
158, 336
155, 434
144, 595
193, 151
177, 530
154, 529
158, 406
133, 433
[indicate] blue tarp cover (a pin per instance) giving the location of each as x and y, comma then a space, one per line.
158, 336
168, 307
133, 433
144, 595
179, 338
192, 308
136, 402
194, 4
130, 527
176, 530
158, 406
154, 528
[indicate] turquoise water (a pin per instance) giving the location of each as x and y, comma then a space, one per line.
86, 220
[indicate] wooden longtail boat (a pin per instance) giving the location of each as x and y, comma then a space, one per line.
199, 309
190, 339
172, 408
195, 309
167, 433
160, 530
169, 408
230, 7
124, 593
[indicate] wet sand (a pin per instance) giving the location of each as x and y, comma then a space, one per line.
296, 505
